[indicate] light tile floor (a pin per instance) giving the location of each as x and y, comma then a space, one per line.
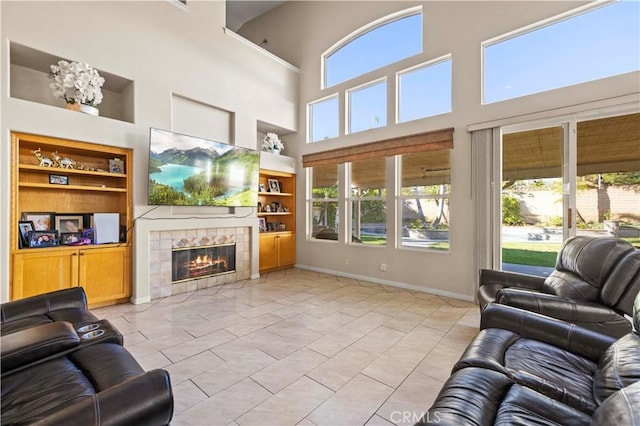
299, 348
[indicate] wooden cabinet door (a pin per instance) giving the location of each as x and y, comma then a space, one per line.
43, 271
105, 274
268, 252
287, 249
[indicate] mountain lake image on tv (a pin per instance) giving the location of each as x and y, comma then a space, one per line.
190, 171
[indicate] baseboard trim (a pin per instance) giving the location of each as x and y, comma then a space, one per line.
405, 286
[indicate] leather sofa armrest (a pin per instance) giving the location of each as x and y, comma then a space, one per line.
74, 297
539, 327
35, 343
511, 279
492, 281
146, 399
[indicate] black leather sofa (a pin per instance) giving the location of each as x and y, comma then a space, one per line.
526, 368
63, 305
593, 285
61, 365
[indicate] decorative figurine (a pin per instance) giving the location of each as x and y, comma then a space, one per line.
63, 163
44, 160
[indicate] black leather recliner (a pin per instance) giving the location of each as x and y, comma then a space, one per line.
593, 285
61, 365
526, 368
63, 305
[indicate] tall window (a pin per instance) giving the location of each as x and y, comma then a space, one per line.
367, 107
324, 202
379, 44
424, 91
600, 43
368, 201
423, 201
323, 119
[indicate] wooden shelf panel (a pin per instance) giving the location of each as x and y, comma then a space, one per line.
275, 214
58, 170
71, 187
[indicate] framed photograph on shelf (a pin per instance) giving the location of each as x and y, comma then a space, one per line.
59, 180
69, 223
116, 165
67, 238
41, 221
262, 224
24, 226
274, 185
261, 188
43, 238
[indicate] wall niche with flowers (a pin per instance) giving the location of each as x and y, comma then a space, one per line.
31, 79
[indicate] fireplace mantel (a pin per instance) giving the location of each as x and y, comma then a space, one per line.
155, 236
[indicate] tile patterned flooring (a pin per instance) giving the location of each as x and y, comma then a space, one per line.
299, 348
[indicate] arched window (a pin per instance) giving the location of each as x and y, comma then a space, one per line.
376, 45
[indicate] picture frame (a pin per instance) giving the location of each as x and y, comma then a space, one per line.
116, 165
24, 227
58, 180
261, 188
41, 220
47, 238
67, 238
274, 185
69, 223
262, 224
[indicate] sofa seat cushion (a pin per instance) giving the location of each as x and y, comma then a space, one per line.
30, 394
547, 369
477, 396
24, 323
72, 315
524, 406
618, 367
41, 389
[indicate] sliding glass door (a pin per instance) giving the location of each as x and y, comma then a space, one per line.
581, 177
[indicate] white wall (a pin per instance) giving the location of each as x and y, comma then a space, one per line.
166, 51
301, 31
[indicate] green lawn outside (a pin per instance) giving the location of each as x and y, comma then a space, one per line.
534, 254
537, 254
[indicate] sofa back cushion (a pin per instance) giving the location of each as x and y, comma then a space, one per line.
583, 265
621, 408
618, 367
622, 286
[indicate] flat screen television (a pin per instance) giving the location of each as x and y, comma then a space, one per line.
190, 171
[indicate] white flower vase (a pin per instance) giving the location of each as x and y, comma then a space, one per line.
275, 151
88, 109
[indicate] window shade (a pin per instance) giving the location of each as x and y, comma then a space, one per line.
420, 142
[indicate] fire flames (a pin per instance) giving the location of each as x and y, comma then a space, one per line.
206, 261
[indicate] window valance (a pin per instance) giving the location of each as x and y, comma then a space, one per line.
420, 142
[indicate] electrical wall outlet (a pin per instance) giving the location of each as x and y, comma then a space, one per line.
383, 267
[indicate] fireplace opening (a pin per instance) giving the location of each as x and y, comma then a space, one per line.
192, 263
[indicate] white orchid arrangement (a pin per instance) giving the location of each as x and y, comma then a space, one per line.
272, 142
76, 83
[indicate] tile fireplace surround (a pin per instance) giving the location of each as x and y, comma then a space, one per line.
161, 243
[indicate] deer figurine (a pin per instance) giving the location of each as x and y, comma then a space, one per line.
44, 160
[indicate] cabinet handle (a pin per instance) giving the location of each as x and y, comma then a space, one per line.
74, 254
